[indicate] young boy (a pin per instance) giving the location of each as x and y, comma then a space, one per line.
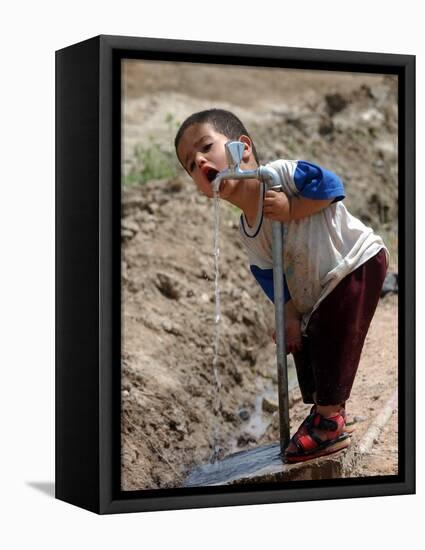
334, 268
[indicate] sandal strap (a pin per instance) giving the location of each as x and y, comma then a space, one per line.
308, 440
306, 443
312, 433
328, 424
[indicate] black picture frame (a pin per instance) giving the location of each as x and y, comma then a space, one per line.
88, 305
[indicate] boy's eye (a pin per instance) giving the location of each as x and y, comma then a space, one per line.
205, 148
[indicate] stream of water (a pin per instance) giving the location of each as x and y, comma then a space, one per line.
217, 320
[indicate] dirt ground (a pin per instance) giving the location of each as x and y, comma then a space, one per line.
345, 122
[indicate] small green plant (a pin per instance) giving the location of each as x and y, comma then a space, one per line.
152, 161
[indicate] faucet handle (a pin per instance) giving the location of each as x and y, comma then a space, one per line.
234, 152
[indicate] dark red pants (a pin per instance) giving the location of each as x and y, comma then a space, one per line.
330, 355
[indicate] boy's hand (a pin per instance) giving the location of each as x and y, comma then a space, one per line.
277, 206
293, 341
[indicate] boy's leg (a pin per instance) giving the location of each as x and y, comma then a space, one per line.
337, 330
305, 373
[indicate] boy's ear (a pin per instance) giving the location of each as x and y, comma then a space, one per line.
248, 147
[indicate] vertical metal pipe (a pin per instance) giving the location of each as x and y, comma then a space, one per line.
272, 181
279, 308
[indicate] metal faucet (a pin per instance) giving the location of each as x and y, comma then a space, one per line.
269, 176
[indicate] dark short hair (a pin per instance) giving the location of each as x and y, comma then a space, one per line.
224, 122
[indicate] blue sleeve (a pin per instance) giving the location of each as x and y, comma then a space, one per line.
314, 182
265, 279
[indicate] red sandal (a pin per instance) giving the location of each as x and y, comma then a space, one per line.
307, 444
349, 427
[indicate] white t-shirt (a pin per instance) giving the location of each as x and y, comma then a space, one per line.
318, 251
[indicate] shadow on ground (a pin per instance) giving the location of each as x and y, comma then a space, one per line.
46, 487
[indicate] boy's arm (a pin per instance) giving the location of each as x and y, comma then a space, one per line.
264, 278
293, 340
311, 189
279, 207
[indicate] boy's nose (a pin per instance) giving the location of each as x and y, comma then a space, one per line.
200, 159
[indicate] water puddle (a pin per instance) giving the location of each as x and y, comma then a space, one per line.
237, 466
259, 420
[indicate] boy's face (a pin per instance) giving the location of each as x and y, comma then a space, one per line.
201, 152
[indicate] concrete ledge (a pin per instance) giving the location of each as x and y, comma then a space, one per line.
264, 464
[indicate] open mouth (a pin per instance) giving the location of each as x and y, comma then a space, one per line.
211, 175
